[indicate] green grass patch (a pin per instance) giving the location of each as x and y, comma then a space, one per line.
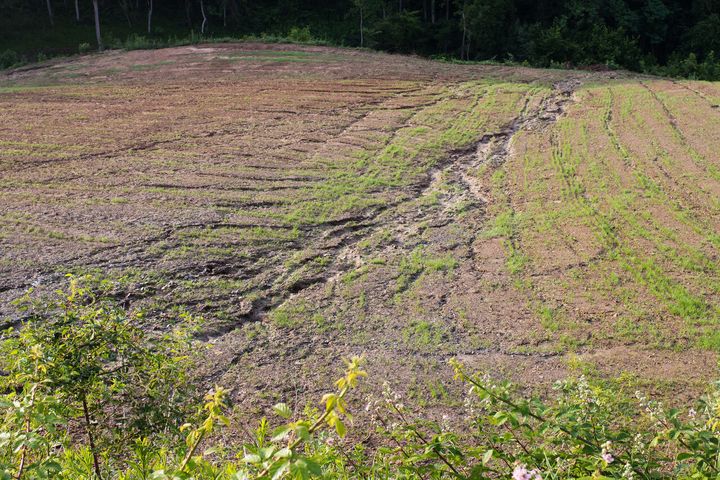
423, 334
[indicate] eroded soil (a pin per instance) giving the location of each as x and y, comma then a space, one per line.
313, 203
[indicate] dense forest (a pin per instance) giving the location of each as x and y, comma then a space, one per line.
659, 36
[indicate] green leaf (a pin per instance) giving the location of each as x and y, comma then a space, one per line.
313, 467
280, 433
266, 452
500, 418
487, 456
283, 410
303, 432
279, 469
340, 427
283, 453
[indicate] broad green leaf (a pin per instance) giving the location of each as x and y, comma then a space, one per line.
282, 410
280, 433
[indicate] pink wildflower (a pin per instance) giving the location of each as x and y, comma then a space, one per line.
522, 473
606, 455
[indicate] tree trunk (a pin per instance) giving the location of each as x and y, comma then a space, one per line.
204, 22
150, 12
96, 8
77, 10
187, 13
126, 10
447, 9
234, 10
50, 13
432, 12
464, 32
362, 38
88, 426
224, 13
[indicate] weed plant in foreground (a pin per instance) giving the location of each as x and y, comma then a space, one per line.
88, 395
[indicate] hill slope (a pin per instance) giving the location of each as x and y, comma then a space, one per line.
312, 203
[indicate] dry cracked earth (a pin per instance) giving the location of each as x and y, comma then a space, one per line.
313, 203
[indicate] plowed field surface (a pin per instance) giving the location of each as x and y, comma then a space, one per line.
312, 203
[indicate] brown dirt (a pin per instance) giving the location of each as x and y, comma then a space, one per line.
313, 203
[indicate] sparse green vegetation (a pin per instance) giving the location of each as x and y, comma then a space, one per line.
588, 428
308, 202
420, 262
292, 315
587, 195
423, 334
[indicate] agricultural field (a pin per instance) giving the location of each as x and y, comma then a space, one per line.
313, 203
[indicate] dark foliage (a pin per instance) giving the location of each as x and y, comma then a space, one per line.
658, 36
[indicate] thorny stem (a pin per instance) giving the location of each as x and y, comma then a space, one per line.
402, 449
91, 440
540, 418
318, 423
23, 454
517, 440
192, 450
530, 413
351, 461
423, 440
684, 444
504, 460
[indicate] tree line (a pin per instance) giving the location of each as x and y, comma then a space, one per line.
679, 36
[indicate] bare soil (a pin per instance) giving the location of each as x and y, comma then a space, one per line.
312, 203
